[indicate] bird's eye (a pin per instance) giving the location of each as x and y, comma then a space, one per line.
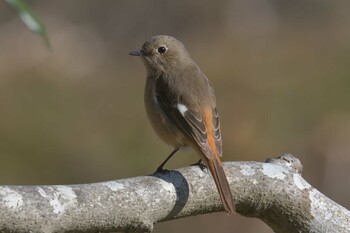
161, 50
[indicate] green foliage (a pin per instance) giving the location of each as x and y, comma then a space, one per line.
30, 19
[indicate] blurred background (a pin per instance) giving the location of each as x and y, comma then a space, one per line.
281, 71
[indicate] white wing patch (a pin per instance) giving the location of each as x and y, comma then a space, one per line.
182, 108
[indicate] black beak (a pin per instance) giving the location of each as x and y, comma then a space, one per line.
138, 53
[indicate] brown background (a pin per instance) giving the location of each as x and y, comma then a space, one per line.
281, 71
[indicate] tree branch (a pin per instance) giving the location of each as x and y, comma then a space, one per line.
274, 192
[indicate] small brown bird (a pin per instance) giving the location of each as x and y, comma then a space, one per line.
181, 106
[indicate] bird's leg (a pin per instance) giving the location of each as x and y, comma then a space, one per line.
200, 165
160, 168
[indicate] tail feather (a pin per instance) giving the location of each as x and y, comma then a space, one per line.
222, 185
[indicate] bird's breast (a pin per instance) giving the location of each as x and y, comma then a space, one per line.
164, 128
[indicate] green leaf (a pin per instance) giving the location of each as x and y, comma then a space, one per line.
30, 19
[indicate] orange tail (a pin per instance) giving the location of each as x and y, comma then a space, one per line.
222, 185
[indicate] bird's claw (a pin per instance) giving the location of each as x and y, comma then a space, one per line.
201, 166
162, 171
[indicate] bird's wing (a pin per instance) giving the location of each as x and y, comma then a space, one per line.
217, 132
203, 127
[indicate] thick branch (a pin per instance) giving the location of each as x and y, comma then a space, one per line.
273, 191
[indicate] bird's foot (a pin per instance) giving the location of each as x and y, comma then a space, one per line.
201, 166
162, 171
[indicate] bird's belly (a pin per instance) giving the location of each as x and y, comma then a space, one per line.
161, 124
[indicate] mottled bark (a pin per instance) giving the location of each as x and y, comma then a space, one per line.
274, 192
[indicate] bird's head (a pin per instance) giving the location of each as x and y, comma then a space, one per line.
163, 53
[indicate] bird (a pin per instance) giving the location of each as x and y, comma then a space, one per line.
181, 107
